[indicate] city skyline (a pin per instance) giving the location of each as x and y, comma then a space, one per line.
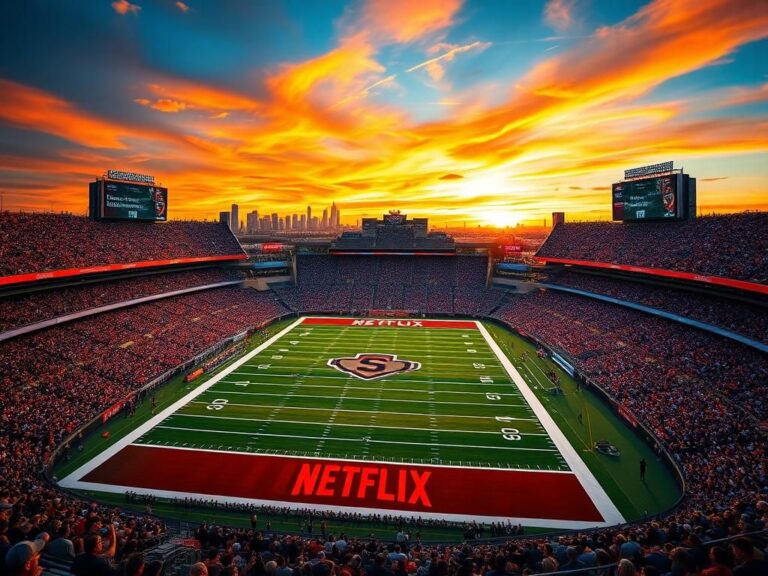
262, 222
487, 113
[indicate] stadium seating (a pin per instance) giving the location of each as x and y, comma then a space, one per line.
741, 317
56, 380
43, 242
26, 309
704, 399
428, 284
731, 246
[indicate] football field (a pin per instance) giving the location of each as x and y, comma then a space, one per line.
411, 417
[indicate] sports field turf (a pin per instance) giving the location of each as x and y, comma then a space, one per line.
456, 434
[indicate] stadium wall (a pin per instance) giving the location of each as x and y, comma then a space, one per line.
7, 335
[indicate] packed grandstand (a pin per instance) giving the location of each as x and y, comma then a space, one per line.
72, 345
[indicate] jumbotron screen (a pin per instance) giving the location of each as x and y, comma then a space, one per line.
129, 201
656, 198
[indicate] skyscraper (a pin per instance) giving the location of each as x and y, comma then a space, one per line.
224, 218
324, 221
252, 222
309, 217
234, 219
334, 216
275, 222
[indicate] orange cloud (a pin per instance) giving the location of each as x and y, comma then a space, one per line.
559, 14
123, 7
182, 6
33, 109
407, 20
164, 104
174, 94
743, 97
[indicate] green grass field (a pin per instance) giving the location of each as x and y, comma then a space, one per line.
460, 409
287, 400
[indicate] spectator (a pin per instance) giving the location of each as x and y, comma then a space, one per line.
22, 559
747, 564
93, 561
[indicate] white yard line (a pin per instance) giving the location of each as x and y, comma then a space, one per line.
386, 380
320, 350
358, 440
592, 487
423, 390
223, 392
496, 432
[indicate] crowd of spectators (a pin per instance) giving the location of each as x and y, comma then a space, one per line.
681, 545
424, 284
56, 380
743, 318
24, 309
35, 242
704, 399
731, 246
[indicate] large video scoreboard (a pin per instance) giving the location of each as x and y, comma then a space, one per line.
124, 199
661, 197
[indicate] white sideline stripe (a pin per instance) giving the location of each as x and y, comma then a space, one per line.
178, 415
356, 398
272, 407
73, 479
592, 487
265, 374
302, 437
374, 389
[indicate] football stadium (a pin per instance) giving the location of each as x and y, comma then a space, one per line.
518, 341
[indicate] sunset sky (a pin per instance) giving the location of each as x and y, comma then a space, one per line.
491, 112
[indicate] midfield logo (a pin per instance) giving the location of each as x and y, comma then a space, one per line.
369, 366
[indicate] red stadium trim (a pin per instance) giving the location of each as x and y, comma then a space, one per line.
55, 274
359, 484
715, 280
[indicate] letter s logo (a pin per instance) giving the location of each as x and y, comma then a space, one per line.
372, 364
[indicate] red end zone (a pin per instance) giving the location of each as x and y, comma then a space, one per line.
392, 323
333, 483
